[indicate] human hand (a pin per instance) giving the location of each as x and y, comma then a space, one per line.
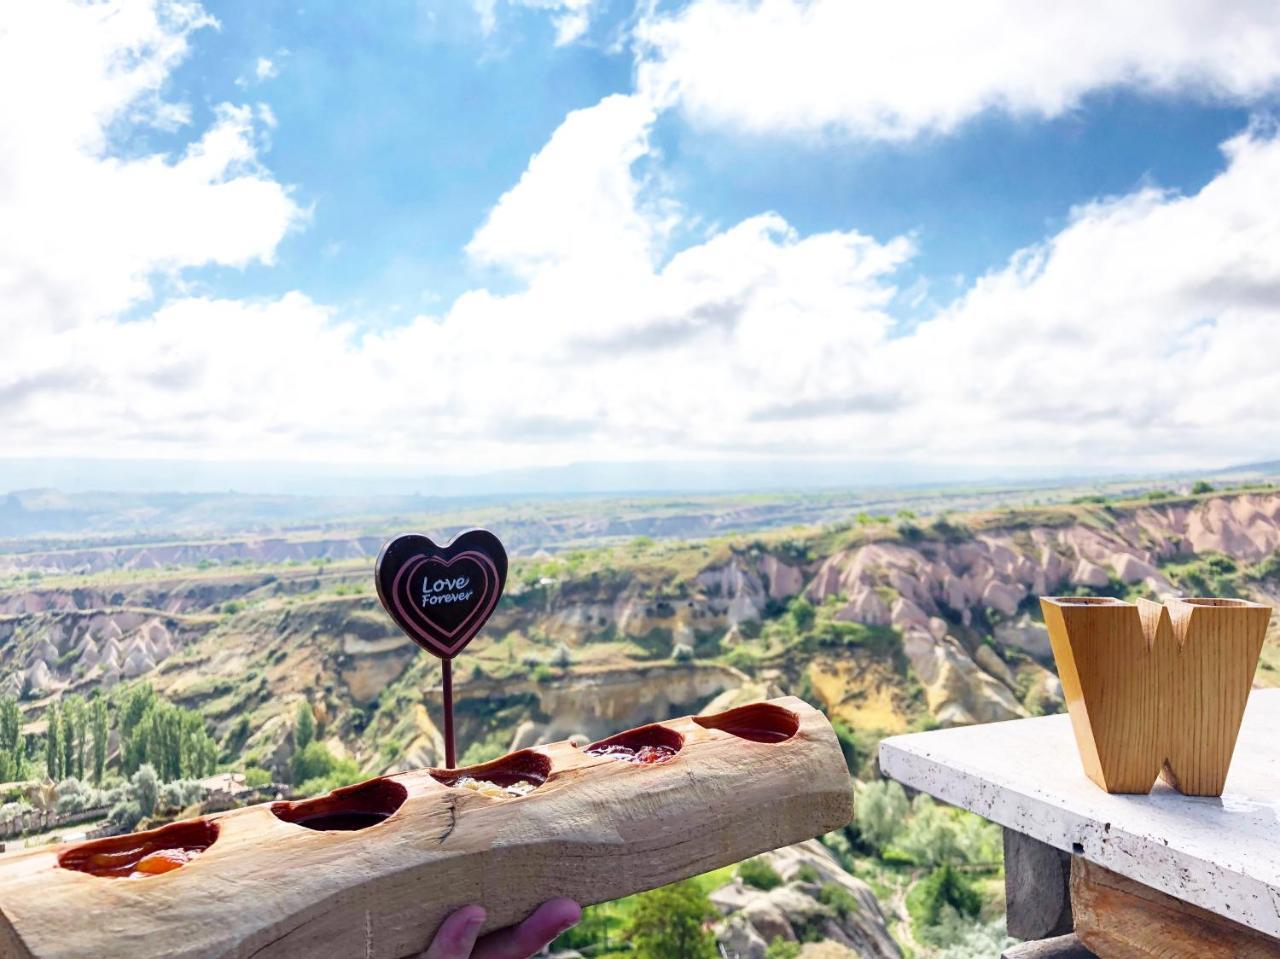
456, 938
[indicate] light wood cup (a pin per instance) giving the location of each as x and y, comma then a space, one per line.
598, 828
1156, 690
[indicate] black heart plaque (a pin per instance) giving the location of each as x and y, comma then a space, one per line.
441, 596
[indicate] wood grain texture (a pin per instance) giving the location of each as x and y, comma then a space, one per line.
1117, 918
1155, 689
597, 829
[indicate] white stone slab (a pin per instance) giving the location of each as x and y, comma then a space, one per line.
1220, 854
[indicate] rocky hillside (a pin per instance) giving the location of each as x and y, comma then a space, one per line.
889, 624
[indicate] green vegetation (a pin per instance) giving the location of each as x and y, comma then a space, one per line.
670, 923
1208, 574
13, 760
759, 874
316, 770
256, 637
782, 949
304, 726
944, 890
171, 739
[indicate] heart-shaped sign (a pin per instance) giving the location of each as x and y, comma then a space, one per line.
441, 595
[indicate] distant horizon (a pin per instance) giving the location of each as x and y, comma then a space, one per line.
125, 476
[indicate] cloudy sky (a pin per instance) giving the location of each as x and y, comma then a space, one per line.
512, 233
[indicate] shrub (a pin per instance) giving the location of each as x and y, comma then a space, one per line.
145, 788
1200, 487
255, 776
944, 887
304, 726
802, 613
782, 949
682, 652
125, 814
881, 811
542, 673
181, 794
759, 874
806, 873
490, 747
670, 923
313, 761
562, 658
838, 899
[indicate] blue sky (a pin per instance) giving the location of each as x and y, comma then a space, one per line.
504, 234
400, 125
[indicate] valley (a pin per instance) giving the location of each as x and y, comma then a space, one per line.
889, 622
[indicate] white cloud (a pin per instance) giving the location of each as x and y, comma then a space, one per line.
579, 202
264, 69
571, 18
1142, 334
86, 229
896, 70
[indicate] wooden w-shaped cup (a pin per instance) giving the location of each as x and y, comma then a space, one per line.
1156, 690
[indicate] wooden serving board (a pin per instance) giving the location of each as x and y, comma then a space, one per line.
598, 828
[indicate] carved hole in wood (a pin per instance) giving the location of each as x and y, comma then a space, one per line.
1210, 601
525, 766
759, 722
630, 745
347, 809
165, 849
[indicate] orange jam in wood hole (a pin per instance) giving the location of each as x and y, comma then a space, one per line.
506, 778
643, 746
142, 854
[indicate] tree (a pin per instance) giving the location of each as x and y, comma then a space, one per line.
881, 810
52, 751
304, 727
67, 739
932, 835
132, 709
172, 739
145, 788
75, 725
759, 874
11, 742
942, 888
670, 923
802, 613
99, 722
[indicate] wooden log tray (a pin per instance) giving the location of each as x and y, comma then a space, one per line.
371, 870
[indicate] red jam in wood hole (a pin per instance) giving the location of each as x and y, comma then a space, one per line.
142, 854
759, 722
506, 778
347, 809
643, 746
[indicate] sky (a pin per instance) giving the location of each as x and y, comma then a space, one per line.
462, 236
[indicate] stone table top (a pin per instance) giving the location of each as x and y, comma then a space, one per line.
1220, 854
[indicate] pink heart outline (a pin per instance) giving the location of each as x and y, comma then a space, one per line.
469, 626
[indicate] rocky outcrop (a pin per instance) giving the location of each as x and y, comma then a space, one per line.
752, 918
593, 702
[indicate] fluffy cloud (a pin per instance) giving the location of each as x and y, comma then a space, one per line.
88, 222
1142, 334
895, 70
